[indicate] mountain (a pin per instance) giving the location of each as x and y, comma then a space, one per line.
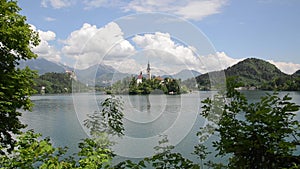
253, 72
183, 74
100, 74
42, 66
297, 73
186, 74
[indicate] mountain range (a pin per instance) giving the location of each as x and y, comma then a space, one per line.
184, 74
43, 66
249, 72
100, 74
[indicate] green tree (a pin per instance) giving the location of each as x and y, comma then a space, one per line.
163, 159
172, 85
16, 40
133, 86
166, 159
31, 151
258, 135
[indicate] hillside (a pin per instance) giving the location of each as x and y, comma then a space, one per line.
42, 66
53, 83
297, 73
255, 73
101, 75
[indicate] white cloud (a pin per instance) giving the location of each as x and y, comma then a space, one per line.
102, 3
168, 56
288, 68
189, 9
56, 3
217, 61
164, 48
95, 3
47, 36
44, 49
127, 65
197, 10
49, 19
90, 44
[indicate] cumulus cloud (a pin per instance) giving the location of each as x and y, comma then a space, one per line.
171, 57
128, 65
164, 48
56, 3
89, 45
217, 61
288, 68
189, 9
44, 49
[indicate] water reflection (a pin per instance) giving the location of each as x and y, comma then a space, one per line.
149, 115
141, 103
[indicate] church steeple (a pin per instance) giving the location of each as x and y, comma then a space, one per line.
148, 71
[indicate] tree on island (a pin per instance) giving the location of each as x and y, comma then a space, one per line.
147, 86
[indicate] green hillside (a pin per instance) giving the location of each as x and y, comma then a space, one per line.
255, 74
53, 83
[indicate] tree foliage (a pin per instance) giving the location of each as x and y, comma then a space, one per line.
256, 135
164, 158
16, 40
167, 86
31, 151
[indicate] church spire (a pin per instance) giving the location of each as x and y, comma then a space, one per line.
148, 70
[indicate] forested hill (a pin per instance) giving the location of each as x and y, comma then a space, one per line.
256, 73
53, 83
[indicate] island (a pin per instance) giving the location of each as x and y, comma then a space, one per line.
148, 84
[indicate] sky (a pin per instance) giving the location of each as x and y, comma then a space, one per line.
203, 35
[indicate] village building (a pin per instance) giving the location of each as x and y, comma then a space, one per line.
139, 78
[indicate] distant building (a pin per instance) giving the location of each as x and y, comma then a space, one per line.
71, 74
43, 88
139, 78
160, 79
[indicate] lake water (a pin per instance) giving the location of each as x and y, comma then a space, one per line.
146, 117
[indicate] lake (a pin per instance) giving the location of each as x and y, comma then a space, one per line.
145, 118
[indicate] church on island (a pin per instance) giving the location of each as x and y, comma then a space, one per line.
140, 76
153, 84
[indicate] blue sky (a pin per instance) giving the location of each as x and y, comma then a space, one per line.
237, 29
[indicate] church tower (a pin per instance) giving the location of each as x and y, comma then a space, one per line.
149, 71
